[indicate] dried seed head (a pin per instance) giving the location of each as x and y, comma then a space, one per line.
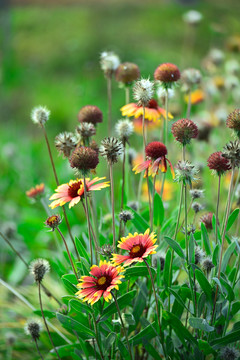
229, 353
53, 221
186, 172
216, 56
196, 193
218, 163
207, 264
39, 268
109, 62
199, 255
231, 152
167, 73
10, 338
127, 72
161, 259
190, 229
192, 17
106, 250
94, 146
125, 216
65, 142
191, 77
133, 205
207, 220
184, 130
143, 91
40, 115
86, 130
84, 159
111, 148
155, 150
124, 129
233, 121
90, 114
33, 328
197, 207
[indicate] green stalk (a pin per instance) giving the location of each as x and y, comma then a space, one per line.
88, 219
109, 96
112, 203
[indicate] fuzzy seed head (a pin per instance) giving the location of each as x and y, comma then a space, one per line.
40, 115
186, 172
184, 130
109, 62
143, 91
53, 221
65, 142
196, 193
155, 150
84, 159
133, 205
196, 207
106, 250
191, 77
231, 152
125, 216
127, 73
39, 268
111, 148
86, 130
192, 17
124, 129
229, 353
207, 264
199, 255
33, 328
233, 121
218, 163
167, 73
190, 229
216, 56
207, 220
90, 114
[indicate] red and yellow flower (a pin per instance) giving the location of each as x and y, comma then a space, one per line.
139, 246
104, 278
156, 160
197, 97
153, 112
35, 191
73, 191
168, 190
150, 125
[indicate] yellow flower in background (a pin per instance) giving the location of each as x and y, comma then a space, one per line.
168, 192
197, 97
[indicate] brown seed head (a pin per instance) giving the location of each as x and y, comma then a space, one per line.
127, 72
167, 73
155, 150
218, 163
84, 159
91, 114
184, 130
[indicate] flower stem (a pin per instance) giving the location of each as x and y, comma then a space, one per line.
92, 231
217, 208
112, 202
39, 353
123, 186
153, 194
157, 309
69, 255
44, 319
127, 94
109, 95
165, 135
189, 105
97, 337
124, 330
88, 219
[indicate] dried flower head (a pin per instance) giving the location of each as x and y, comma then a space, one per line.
199, 255
124, 129
106, 250
186, 172
127, 73
233, 121
65, 142
218, 163
10, 338
155, 150
207, 264
125, 216
190, 229
167, 73
133, 205
231, 152
143, 91
184, 130
40, 115
207, 220
90, 114
111, 148
33, 328
84, 159
53, 221
34, 192
86, 130
109, 62
94, 146
191, 77
229, 353
159, 258
192, 17
197, 207
196, 193
39, 268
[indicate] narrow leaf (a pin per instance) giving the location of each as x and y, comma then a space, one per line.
175, 246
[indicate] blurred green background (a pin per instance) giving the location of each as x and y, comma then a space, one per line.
50, 56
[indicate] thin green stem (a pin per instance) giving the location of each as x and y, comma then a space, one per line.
112, 203
217, 208
127, 94
93, 233
68, 252
165, 124
38, 350
44, 319
144, 156
109, 96
153, 195
97, 337
186, 217
88, 219
189, 105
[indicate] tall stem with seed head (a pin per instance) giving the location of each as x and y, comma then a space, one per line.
88, 219
217, 208
112, 203
38, 350
144, 156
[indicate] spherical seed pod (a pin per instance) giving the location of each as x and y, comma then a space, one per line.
84, 159
155, 150
184, 130
127, 73
39, 268
218, 163
90, 114
167, 73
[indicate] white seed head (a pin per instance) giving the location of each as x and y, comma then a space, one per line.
192, 17
111, 148
40, 115
33, 328
39, 268
191, 77
143, 91
109, 61
197, 207
216, 56
124, 129
196, 193
86, 130
65, 142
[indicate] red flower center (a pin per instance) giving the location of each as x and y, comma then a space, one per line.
104, 282
155, 150
73, 189
137, 251
152, 104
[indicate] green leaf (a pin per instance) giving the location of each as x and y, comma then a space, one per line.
235, 308
229, 290
201, 324
81, 249
71, 324
69, 286
129, 319
227, 256
123, 301
48, 314
158, 210
204, 284
138, 271
215, 256
180, 330
232, 218
205, 347
166, 271
146, 334
205, 239
175, 246
109, 341
138, 221
151, 351
226, 340
123, 350
80, 307
179, 299
65, 350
